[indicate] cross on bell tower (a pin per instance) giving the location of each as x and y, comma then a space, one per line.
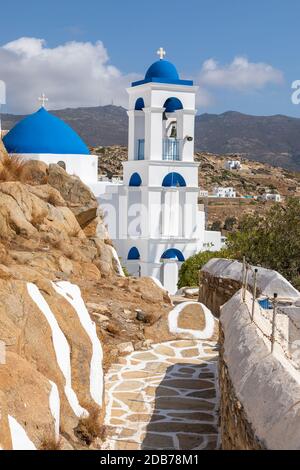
43, 99
161, 52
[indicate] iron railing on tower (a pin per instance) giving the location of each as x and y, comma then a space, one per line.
170, 149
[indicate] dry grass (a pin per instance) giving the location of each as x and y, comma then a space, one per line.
11, 168
49, 443
90, 428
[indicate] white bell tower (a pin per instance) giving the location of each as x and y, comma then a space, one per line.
161, 115
160, 177
159, 224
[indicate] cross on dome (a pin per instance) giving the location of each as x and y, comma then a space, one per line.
161, 52
43, 99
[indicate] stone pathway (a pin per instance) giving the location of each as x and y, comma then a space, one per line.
165, 398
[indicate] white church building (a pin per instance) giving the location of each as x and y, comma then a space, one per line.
152, 216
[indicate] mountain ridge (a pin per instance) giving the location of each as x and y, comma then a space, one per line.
271, 139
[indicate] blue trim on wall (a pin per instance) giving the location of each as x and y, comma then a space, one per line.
173, 179
135, 180
163, 80
173, 253
133, 253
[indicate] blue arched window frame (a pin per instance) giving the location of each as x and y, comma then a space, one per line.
172, 104
135, 180
139, 104
173, 179
133, 254
173, 253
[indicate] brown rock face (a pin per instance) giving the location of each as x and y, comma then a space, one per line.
46, 237
35, 172
78, 196
22, 212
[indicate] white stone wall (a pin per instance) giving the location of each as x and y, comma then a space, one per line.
83, 166
265, 383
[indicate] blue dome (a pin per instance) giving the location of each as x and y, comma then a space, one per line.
41, 132
162, 69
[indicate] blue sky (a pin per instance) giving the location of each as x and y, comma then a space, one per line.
192, 32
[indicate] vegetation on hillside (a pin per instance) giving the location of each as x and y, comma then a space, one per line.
188, 274
271, 240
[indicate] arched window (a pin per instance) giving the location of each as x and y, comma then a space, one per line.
173, 253
135, 180
173, 179
139, 104
133, 253
172, 104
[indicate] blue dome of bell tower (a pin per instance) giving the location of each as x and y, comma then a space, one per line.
162, 71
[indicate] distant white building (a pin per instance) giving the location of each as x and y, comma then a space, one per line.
271, 197
224, 192
232, 165
203, 193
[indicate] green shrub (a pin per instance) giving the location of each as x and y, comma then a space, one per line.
188, 274
271, 240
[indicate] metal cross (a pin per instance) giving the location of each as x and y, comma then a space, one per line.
43, 99
161, 52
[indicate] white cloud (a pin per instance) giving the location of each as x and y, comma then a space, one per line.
79, 74
71, 75
204, 98
240, 74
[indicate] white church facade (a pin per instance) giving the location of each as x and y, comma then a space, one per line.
153, 216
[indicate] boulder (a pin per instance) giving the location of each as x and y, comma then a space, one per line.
23, 212
125, 348
77, 195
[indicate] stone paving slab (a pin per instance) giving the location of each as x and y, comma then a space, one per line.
166, 398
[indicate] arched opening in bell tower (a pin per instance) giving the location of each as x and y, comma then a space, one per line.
171, 142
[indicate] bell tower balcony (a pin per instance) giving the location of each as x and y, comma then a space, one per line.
170, 149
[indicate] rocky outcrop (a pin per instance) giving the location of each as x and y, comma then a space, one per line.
78, 196
56, 275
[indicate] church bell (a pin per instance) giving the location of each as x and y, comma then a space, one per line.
173, 134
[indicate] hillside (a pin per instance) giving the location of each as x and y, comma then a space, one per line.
269, 139
253, 179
